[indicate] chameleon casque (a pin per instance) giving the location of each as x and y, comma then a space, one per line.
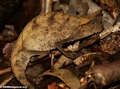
44, 32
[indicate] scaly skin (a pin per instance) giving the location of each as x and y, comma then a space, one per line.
41, 34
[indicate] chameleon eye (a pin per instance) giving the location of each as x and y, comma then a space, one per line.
93, 23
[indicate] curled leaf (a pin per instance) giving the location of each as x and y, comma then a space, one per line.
66, 76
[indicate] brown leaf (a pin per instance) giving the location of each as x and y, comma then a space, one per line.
79, 6
111, 43
7, 50
109, 5
66, 76
53, 86
92, 6
63, 60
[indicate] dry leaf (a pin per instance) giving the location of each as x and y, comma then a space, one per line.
78, 7
7, 50
54, 86
66, 76
63, 60
109, 5
92, 6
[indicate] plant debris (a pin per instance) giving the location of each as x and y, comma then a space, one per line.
68, 44
66, 76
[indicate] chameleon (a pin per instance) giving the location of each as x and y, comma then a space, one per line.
47, 32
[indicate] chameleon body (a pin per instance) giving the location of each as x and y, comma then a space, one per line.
43, 32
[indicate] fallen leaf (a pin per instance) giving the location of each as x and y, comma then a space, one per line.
107, 20
92, 6
109, 5
53, 86
63, 60
66, 76
7, 50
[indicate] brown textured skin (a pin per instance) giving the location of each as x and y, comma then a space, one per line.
56, 28
43, 32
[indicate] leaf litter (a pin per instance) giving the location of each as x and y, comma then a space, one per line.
107, 45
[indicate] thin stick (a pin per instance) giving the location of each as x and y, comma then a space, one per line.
4, 71
43, 6
7, 80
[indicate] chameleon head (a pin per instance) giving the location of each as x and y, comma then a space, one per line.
92, 27
96, 24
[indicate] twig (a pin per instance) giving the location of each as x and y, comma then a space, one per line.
48, 6
43, 6
4, 71
109, 73
7, 80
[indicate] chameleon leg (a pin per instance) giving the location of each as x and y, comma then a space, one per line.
19, 63
38, 55
87, 42
61, 43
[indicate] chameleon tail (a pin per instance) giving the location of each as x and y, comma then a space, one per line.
19, 63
